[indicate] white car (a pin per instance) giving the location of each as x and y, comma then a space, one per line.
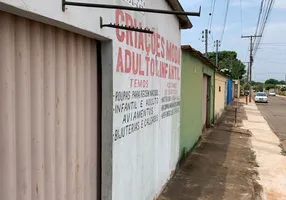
272, 94
261, 97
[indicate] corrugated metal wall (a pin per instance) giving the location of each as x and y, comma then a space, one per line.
48, 112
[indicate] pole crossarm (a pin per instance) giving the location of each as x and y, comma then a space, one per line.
249, 36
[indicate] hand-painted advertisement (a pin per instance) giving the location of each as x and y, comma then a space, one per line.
146, 105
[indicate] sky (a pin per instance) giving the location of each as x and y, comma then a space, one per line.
270, 59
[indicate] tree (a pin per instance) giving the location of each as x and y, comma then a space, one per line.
269, 86
272, 81
229, 64
259, 88
282, 83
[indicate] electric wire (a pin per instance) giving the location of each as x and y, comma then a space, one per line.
225, 19
259, 18
212, 14
241, 24
264, 22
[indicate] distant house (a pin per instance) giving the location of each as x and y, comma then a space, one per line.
221, 82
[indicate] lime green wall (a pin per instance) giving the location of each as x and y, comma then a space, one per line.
191, 100
210, 72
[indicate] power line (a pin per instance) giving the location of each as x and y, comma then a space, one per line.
241, 17
259, 17
272, 61
264, 22
225, 19
272, 43
212, 14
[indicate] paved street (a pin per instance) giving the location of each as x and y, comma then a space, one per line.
275, 114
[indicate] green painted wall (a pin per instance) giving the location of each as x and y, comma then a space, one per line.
210, 72
191, 100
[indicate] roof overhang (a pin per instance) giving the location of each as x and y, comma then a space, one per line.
184, 21
198, 55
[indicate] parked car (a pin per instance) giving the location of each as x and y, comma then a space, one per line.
272, 94
261, 97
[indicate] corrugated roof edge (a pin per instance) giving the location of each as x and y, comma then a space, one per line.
199, 55
185, 22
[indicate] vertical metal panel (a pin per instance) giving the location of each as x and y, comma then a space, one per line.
71, 116
48, 112
80, 117
7, 108
61, 132
93, 123
22, 108
37, 115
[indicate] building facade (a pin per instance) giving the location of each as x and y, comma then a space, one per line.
88, 112
220, 94
197, 97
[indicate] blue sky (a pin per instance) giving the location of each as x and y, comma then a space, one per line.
270, 59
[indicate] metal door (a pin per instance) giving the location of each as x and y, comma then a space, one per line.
205, 100
48, 112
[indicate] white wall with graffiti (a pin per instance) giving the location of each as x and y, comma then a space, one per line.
146, 86
146, 103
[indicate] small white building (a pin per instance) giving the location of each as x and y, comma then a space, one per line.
88, 112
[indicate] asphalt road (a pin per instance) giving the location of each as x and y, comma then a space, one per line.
275, 114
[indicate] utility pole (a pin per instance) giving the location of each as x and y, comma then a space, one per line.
217, 45
251, 61
205, 36
247, 80
247, 72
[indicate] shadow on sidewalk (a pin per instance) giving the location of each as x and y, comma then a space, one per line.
221, 167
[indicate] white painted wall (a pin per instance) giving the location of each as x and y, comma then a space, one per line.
143, 160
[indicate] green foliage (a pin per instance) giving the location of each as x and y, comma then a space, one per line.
259, 88
272, 81
283, 89
229, 64
256, 83
269, 86
246, 86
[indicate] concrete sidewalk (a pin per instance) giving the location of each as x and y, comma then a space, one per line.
265, 144
222, 167
233, 163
